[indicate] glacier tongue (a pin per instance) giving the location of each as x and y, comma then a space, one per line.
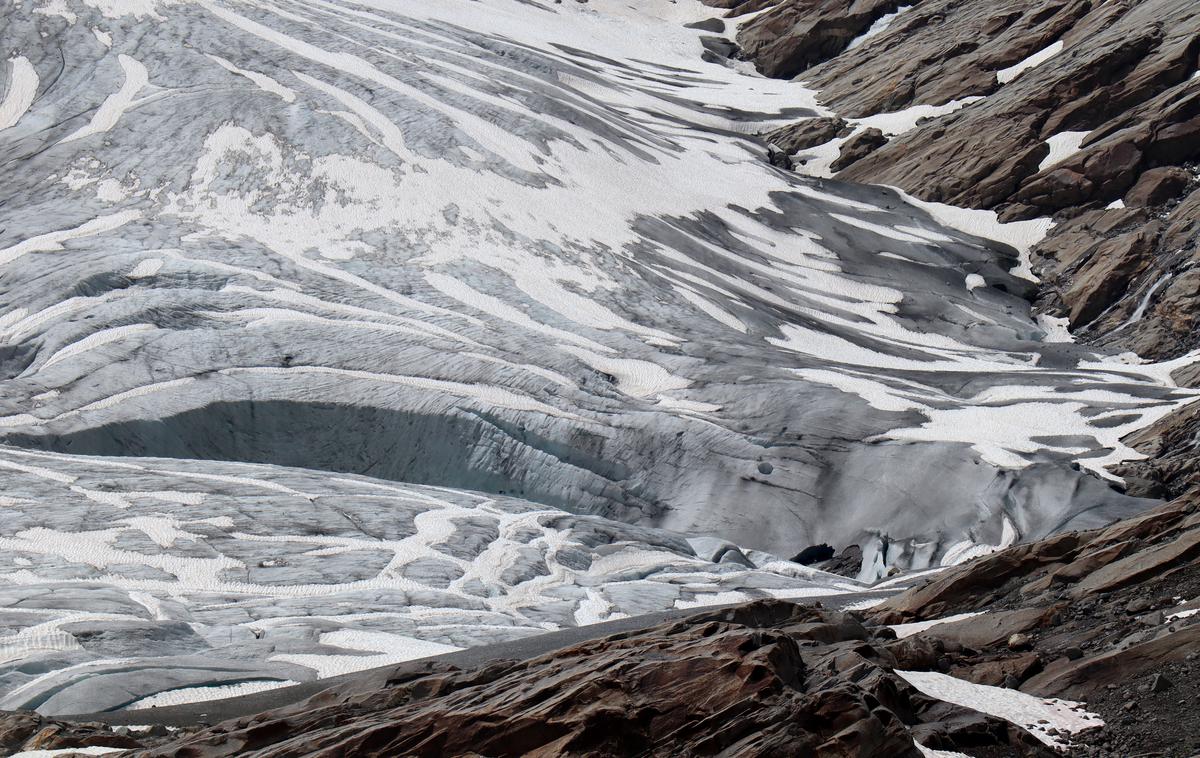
502, 246
127, 582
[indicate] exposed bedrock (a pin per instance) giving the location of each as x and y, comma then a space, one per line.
1077, 106
1111, 616
1128, 277
796, 34
766, 679
1172, 450
26, 731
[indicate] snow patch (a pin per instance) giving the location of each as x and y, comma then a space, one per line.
1006, 75
908, 630
19, 92
880, 26
928, 752
67, 751
201, 694
1022, 235
636, 378
1062, 146
264, 82
115, 105
899, 122
1038, 715
387, 648
146, 268
1057, 328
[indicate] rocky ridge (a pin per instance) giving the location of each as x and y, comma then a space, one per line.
766, 679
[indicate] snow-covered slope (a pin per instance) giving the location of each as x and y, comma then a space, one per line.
506, 246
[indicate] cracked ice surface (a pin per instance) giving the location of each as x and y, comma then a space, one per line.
138, 582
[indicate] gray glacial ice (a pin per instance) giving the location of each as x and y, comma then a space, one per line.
264, 574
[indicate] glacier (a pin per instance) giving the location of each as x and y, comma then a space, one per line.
465, 320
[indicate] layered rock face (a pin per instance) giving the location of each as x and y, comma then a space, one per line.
1110, 616
767, 679
1080, 105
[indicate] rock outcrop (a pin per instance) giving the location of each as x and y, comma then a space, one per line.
793, 35
1110, 616
23, 731
765, 679
1171, 466
859, 146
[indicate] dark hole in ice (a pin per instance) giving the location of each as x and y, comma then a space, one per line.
813, 554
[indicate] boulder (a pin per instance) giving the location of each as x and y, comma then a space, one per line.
1157, 186
859, 146
804, 134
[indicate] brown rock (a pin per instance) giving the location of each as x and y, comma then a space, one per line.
764, 679
1106, 275
1112, 167
859, 146
24, 730
1124, 76
941, 51
1089, 562
804, 134
997, 672
991, 629
1140, 565
796, 34
1057, 188
958, 590
1172, 465
1076, 679
1176, 143
1157, 186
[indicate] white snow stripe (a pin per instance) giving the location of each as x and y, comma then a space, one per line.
264, 82
20, 92
115, 105
1038, 715
53, 241
1006, 75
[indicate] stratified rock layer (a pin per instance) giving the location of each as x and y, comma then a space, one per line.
766, 679
1111, 616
